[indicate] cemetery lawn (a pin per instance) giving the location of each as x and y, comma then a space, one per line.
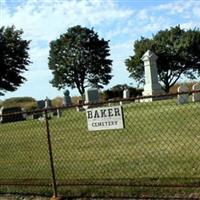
160, 142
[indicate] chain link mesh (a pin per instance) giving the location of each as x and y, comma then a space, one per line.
156, 153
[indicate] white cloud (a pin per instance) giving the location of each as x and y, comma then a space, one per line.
120, 46
196, 11
143, 15
188, 25
175, 7
44, 20
185, 9
37, 53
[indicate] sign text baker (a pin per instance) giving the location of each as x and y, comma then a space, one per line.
104, 118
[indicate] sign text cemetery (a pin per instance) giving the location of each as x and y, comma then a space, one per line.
105, 118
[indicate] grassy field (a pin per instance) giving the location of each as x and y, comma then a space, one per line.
160, 142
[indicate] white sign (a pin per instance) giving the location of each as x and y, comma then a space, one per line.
105, 118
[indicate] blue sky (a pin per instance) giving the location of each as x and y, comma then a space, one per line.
121, 22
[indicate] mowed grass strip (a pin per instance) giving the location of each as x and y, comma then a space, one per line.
160, 140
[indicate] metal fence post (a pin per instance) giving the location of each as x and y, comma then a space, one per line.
54, 186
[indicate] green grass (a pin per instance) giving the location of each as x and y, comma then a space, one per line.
160, 144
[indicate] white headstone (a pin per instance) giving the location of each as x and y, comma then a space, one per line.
58, 112
126, 94
47, 103
196, 95
183, 98
152, 86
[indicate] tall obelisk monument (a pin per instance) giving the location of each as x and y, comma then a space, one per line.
152, 86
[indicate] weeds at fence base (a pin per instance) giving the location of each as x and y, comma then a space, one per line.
106, 192
129, 193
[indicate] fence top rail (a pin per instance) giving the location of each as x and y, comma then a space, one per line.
100, 103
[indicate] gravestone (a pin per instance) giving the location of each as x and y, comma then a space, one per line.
92, 95
67, 99
40, 104
196, 96
126, 94
152, 86
183, 98
58, 113
47, 106
24, 113
80, 107
47, 103
11, 114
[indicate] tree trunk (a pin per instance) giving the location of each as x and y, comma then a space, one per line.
166, 88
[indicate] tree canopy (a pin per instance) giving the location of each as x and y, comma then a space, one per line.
14, 58
78, 58
178, 54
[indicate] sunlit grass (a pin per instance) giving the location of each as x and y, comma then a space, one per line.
160, 140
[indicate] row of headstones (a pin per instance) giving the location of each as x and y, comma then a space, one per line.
183, 98
92, 96
46, 104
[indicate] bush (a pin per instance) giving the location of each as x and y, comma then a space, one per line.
27, 103
76, 99
116, 92
174, 88
57, 102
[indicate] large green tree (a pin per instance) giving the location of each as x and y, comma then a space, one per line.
78, 58
178, 54
14, 58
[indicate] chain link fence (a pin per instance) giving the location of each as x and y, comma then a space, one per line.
155, 155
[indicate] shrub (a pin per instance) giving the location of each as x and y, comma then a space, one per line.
116, 92
57, 102
174, 88
27, 103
